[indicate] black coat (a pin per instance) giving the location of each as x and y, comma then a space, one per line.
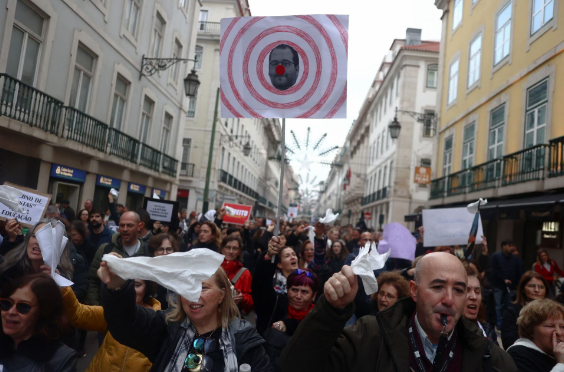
80, 276
209, 245
527, 359
509, 329
87, 250
147, 331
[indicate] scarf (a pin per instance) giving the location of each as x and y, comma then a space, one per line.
177, 361
279, 282
231, 268
298, 315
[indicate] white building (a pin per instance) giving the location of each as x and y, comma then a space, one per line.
76, 116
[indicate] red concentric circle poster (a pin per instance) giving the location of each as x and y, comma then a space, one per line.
284, 67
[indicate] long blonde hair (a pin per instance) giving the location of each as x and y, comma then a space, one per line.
216, 233
226, 312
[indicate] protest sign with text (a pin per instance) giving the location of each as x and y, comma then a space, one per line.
448, 226
32, 201
236, 214
163, 210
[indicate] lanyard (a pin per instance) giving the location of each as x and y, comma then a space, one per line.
417, 354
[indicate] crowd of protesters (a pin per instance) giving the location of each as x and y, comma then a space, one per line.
277, 303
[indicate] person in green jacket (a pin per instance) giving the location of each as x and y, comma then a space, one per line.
420, 333
126, 243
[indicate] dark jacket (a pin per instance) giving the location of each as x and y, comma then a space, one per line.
527, 358
114, 215
103, 238
147, 331
210, 245
36, 355
7, 245
335, 264
93, 296
491, 334
509, 329
70, 214
505, 267
375, 344
87, 250
80, 276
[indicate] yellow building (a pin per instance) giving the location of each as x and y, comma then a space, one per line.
501, 127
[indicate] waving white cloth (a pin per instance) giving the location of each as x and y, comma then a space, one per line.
52, 243
473, 207
181, 273
365, 263
114, 192
210, 215
329, 217
9, 196
310, 234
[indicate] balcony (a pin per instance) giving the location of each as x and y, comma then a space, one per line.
210, 28
229, 180
262, 200
187, 169
520, 167
375, 196
33, 107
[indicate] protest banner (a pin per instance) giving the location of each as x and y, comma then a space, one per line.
448, 226
236, 214
163, 211
399, 239
32, 201
292, 212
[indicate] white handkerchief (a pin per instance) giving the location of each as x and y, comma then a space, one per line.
52, 243
210, 215
114, 192
155, 196
329, 217
310, 234
62, 281
181, 273
473, 207
365, 263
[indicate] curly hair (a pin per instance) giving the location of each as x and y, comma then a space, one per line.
395, 279
536, 312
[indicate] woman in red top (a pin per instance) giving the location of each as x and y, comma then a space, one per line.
547, 267
240, 277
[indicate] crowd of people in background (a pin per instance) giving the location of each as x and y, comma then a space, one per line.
276, 303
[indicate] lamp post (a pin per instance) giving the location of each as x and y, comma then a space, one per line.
210, 156
149, 66
429, 119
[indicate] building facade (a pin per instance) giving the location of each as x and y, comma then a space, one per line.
76, 116
499, 132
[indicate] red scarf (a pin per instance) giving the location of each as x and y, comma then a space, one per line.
231, 267
298, 315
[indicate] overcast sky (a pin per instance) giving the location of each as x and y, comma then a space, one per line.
373, 25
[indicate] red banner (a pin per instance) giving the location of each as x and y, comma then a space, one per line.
237, 214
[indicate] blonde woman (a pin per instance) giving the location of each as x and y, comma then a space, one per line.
193, 336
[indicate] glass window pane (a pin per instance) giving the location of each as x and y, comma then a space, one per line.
84, 90
15, 52
499, 150
113, 119
29, 18
159, 24
119, 117
530, 139
476, 45
133, 19
498, 116
540, 135
548, 11
537, 94
121, 86
30, 61
85, 59
147, 106
74, 88
504, 16
469, 133
537, 22
530, 120
203, 15
542, 116
492, 137
537, 5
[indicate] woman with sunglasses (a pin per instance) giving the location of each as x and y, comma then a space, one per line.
240, 277
162, 245
201, 336
111, 356
31, 308
532, 286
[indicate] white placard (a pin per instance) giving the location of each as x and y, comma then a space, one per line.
292, 212
31, 201
448, 226
159, 211
284, 67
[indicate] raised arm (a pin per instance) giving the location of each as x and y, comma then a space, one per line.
89, 318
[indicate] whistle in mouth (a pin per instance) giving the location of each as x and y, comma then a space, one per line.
444, 321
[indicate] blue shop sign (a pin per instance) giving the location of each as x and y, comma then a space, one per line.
159, 192
108, 182
68, 173
136, 188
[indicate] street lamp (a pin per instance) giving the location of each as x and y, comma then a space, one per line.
395, 127
429, 120
191, 84
247, 149
149, 66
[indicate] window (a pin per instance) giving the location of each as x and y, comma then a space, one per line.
495, 144
543, 12
82, 79
468, 147
146, 117
25, 45
167, 125
457, 13
176, 53
447, 156
186, 146
432, 76
132, 16
203, 19
390, 175
120, 100
199, 57
377, 145
191, 107
502, 34
428, 124
537, 102
183, 4
474, 61
158, 34
453, 82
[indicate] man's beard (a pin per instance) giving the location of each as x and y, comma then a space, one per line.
288, 84
95, 223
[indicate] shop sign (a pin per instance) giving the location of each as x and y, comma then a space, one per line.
422, 175
68, 173
136, 188
160, 193
108, 182
183, 193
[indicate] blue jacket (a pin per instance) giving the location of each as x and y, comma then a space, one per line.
105, 236
504, 268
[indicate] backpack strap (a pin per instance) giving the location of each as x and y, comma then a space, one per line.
238, 275
108, 248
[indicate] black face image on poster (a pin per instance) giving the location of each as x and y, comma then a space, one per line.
284, 66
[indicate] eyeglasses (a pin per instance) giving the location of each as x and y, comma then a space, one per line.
309, 274
228, 248
23, 307
197, 357
386, 295
284, 63
533, 286
167, 250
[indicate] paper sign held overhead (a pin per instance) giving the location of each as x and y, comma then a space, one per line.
31, 201
448, 226
236, 214
163, 211
284, 67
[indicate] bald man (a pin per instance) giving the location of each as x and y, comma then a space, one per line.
126, 243
408, 336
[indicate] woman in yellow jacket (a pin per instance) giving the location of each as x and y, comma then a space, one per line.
112, 356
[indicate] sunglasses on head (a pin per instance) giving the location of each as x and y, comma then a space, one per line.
197, 360
23, 307
309, 274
